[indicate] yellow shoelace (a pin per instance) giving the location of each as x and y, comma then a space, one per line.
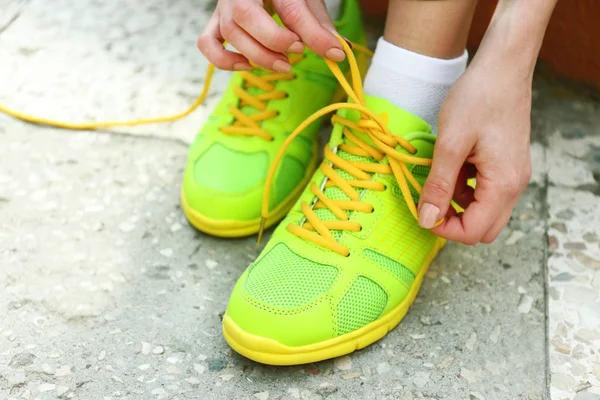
318, 231
250, 125
113, 124
243, 124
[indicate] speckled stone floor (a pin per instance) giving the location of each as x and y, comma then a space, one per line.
107, 293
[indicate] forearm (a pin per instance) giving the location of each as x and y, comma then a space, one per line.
515, 35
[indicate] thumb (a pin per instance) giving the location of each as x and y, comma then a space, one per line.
319, 9
450, 153
310, 21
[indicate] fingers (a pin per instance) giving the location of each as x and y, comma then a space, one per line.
450, 153
470, 226
261, 40
511, 189
248, 46
486, 216
319, 10
500, 223
210, 44
252, 18
248, 27
309, 20
463, 193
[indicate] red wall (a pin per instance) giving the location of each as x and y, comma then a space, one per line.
572, 43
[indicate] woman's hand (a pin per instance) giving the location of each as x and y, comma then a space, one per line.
248, 27
484, 131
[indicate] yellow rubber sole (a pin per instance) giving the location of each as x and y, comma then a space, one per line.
233, 228
269, 351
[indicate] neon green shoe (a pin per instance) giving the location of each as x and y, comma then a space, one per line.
229, 159
347, 262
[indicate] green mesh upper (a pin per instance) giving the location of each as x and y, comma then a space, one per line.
230, 179
362, 304
420, 172
285, 183
396, 268
284, 279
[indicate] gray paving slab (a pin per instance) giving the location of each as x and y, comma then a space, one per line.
572, 122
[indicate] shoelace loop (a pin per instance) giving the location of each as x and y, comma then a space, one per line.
384, 145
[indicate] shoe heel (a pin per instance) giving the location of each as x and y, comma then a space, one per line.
362, 60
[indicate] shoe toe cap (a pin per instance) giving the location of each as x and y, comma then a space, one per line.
284, 297
267, 329
224, 185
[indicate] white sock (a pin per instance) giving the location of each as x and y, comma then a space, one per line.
412, 81
334, 7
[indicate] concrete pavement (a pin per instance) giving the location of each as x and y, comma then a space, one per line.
107, 293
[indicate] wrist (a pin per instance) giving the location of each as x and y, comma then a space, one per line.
514, 36
501, 58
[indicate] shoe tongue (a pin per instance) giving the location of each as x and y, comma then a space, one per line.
399, 121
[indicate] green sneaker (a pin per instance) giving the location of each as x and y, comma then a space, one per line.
229, 160
347, 262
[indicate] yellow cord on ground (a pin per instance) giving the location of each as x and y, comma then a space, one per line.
112, 124
142, 121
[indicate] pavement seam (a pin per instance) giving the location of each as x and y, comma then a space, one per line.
546, 215
15, 17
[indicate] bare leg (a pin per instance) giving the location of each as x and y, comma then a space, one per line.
435, 28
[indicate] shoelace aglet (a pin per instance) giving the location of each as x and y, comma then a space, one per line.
261, 228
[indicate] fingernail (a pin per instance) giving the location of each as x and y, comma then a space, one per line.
428, 215
296, 48
348, 42
336, 33
332, 30
336, 55
282, 66
242, 66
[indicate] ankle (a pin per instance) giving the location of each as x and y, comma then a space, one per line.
412, 81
